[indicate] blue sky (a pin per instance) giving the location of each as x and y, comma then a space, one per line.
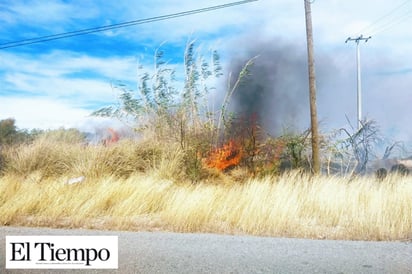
59, 83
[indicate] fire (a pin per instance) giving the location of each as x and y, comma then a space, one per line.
229, 155
114, 137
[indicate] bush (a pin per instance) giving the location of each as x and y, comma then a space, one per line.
400, 169
10, 134
49, 158
381, 174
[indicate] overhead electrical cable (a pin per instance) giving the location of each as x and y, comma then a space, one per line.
118, 25
394, 22
382, 21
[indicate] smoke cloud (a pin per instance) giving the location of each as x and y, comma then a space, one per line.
276, 88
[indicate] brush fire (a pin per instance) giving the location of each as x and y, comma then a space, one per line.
114, 137
225, 157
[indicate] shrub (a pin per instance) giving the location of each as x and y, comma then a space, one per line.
50, 158
400, 169
381, 174
10, 134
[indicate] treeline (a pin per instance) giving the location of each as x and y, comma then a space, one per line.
10, 134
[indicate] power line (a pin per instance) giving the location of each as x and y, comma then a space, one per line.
116, 26
374, 25
393, 23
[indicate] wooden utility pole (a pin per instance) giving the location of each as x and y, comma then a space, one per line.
312, 90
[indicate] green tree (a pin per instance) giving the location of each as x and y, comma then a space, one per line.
8, 131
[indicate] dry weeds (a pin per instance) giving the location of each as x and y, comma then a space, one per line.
292, 205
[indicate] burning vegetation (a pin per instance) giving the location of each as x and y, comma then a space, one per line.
114, 137
225, 157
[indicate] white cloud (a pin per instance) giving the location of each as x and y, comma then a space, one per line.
41, 112
80, 78
79, 90
46, 12
59, 63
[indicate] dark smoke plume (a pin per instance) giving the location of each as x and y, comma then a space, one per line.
276, 89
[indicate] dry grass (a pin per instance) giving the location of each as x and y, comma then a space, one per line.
144, 186
292, 205
53, 159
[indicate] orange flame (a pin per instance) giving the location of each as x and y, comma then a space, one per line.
114, 137
227, 156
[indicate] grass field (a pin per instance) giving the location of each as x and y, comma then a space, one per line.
141, 187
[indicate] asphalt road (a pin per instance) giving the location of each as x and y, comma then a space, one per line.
154, 252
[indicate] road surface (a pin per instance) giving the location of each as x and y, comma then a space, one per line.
154, 252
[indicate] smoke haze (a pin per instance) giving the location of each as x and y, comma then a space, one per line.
276, 88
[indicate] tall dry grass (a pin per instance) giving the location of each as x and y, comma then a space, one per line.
292, 205
52, 159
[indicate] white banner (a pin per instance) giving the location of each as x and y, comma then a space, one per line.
62, 252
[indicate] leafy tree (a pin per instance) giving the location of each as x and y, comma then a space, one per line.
8, 131
296, 146
11, 135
